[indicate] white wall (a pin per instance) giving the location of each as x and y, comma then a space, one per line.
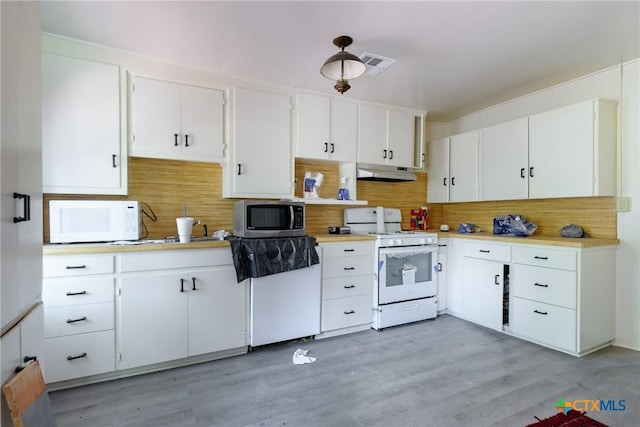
622, 84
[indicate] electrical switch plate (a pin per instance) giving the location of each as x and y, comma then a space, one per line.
622, 204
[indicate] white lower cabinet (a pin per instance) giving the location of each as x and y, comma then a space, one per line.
443, 267
347, 285
191, 307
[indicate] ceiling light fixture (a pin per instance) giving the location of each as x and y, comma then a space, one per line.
343, 66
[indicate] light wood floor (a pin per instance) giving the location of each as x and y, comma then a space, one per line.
444, 372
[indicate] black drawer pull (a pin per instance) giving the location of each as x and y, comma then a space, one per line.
541, 257
544, 313
349, 250
75, 267
80, 319
26, 360
193, 279
542, 285
70, 294
349, 268
349, 312
349, 286
485, 251
80, 356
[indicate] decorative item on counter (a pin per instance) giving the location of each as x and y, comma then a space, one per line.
573, 230
339, 229
185, 226
420, 218
312, 182
468, 228
221, 234
513, 225
444, 227
343, 192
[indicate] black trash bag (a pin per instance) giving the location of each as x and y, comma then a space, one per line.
263, 257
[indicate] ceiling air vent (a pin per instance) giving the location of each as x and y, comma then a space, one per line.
375, 63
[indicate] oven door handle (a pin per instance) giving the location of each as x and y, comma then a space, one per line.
399, 250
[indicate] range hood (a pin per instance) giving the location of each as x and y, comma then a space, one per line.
368, 172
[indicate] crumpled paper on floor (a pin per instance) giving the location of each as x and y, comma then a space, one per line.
300, 357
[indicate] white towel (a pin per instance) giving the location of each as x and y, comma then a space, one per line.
300, 357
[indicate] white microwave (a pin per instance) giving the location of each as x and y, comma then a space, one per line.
77, 221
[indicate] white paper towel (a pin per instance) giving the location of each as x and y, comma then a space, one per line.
379, 220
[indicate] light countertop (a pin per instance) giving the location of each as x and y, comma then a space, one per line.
535, 240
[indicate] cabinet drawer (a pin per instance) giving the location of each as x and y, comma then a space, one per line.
78, 319
78, 356
74, 291
175, 259
544, 257
77, 265
345, 267
488, 251
547, 285
336, 250
345, 312
547, 324
341, 287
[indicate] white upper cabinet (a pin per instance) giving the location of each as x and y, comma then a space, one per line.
463, 167
572, 151
83, 151
176, 121
504, 161
327, 128
438, 171
260, 162
386, 137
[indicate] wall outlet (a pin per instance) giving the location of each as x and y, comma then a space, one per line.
622, 204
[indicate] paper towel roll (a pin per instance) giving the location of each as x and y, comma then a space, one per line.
379, 220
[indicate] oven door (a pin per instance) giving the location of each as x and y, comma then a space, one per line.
406, 273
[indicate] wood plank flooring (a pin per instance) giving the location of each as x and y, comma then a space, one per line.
443, 372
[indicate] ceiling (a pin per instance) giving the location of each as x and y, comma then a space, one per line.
453, 57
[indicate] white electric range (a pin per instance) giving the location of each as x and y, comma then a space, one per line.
405, 267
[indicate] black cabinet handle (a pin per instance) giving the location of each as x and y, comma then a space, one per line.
349, 268
193, 279
80, 319
390, 154
485, 251
349, 286
542, 285
175, 139
453, 180
384, 154
26, 360
531, 171
77, 357
522, 173
75, 267
326, 147
349, 312
544, 313
439, 266
495, 279
69, 294
186, 140
113, 160
26, 206
181, 285
541, 257
349, 250
239, 169
444, 181
333, 148
423, 158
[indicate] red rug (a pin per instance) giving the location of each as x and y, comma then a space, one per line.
570, 419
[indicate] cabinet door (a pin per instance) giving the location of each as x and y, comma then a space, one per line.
400, 138
313, 126
344, 131
463, 167
504, 161
483, 292
153, 318
372, 139
155, 119
217, 314
81, 133
561, 144
202, 123
438, 171
261, 163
